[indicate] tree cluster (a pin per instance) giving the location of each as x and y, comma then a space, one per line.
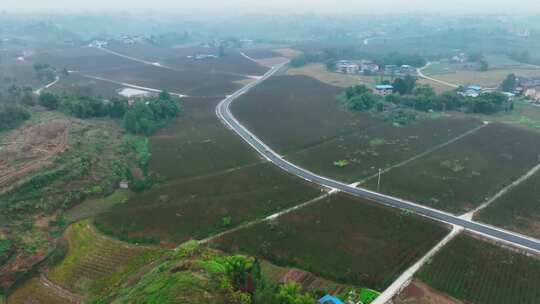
144, 116
44, 72
148, 114
360, 98
12, 115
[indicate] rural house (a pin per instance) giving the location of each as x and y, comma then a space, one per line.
384, 89
347, 67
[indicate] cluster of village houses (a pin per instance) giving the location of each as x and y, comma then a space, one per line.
369, 67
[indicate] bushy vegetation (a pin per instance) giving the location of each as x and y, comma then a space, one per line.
45, 72
11, 116
144, 116
423, 98
195, 274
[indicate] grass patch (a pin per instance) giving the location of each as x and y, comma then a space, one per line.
480, 272
341, 239
92, 207
464, 174
34, 292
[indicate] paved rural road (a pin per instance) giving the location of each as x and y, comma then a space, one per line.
224, 113
421, 74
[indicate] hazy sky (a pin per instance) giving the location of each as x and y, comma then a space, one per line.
279, 6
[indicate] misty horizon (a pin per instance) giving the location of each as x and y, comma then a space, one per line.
235, 7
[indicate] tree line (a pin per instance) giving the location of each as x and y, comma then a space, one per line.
143, 116
407, 93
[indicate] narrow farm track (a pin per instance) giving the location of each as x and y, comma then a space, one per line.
129, 85
52, 83
422, 75
427, 152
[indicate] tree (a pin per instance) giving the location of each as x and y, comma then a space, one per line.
350, 92
404, 85
509, 84
363, 102
291, 293
49, 100
484, 65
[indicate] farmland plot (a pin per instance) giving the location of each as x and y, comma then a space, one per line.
380, 146
194, 83
197, 144
482, 273
199, 207
341, 239
518, 209
296, 112
464, 174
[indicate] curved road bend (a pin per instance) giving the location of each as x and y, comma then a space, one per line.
224, 113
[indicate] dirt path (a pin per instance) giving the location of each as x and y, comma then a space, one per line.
422, 75
60, 291
38, 91
129, 85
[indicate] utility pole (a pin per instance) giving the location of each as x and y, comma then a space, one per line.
379, 181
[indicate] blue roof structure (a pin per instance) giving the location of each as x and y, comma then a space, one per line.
328, 299
475, 87
384, 87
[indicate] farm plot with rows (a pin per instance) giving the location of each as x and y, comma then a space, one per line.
463, 175
364, 152
197, 144
518, 209
95, 263
478, 272
34, 291
290, 113
77, 84
183, 58
81, 59
342, 239
193, 83
199, 207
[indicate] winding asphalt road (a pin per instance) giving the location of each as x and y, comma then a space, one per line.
494, 233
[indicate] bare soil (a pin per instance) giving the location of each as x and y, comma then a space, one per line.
31, 147
419, 293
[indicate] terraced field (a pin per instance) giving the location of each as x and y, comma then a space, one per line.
518, 209
34, 291
464, 174
95, 263
477, 272
199, 207
341, 239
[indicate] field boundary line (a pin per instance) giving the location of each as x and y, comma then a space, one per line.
59, 290
503, 191
267, 218
134, 86
425, 153
159, 65
406, 277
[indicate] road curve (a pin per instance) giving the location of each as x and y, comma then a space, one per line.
501, 235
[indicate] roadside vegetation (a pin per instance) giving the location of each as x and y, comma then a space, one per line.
479, 272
